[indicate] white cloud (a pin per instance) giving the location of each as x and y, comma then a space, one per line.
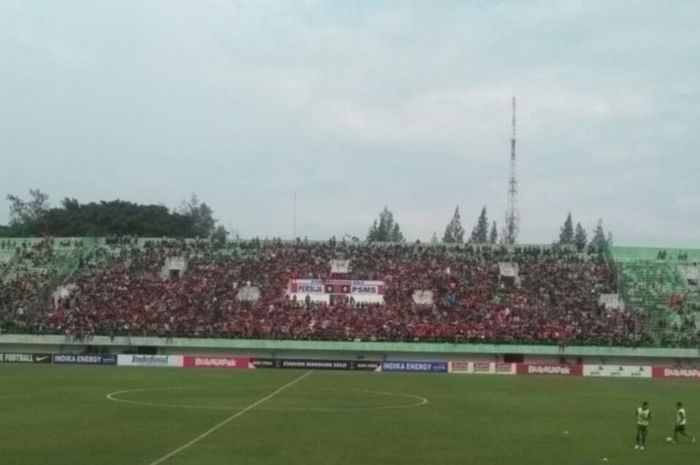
357, 105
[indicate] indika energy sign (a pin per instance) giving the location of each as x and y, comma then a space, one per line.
84, 359
415, 366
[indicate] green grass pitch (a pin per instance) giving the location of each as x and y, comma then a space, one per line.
60, 415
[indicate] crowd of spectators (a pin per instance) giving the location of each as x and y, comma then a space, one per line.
120, 289
24, 277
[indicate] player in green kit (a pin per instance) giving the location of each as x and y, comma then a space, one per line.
680, 423
643, 418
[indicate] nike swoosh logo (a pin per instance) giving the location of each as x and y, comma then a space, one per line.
41, 359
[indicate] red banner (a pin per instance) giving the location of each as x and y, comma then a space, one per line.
678, 373
215, 361
549, 370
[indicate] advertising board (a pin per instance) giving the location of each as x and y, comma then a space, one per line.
549, 370
485, 368
172, 361
504, 368
84, 359
415, 366
12, 357
460, 367
676, 372
617, 371
312, 364
482, 368
215, 361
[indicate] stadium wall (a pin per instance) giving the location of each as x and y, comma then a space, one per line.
482, 353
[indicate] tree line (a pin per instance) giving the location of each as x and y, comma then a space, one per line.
36, 217
578, 238
386, 229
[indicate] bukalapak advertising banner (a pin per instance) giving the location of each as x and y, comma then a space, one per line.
424, 367
311, 364
85, 359
215, 361
11, 357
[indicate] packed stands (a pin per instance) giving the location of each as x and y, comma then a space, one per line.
477, 294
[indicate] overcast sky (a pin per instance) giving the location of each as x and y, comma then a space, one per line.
360, 104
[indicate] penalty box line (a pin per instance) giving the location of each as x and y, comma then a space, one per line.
229, 419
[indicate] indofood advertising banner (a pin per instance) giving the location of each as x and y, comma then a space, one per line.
173, 361
85, 359
11, 357
617, 371
320, 290
215, 361
429, 367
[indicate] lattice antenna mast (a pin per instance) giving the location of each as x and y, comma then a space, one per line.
512, 215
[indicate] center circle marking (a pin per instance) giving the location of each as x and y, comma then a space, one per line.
415, 401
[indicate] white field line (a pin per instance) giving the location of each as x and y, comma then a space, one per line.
421, 401
229, 419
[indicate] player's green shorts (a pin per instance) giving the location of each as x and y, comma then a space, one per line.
642, 429
679, 429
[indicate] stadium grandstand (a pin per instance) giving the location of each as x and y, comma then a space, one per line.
662, 283
349, 291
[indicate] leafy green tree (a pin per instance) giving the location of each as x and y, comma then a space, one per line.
70, 204
480, 233
111, 218
580, 238
600, 243
201, 214
493, 235
23, 212
385, 229
566, 234
396, 235
510, 232
454, 232
219, 236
